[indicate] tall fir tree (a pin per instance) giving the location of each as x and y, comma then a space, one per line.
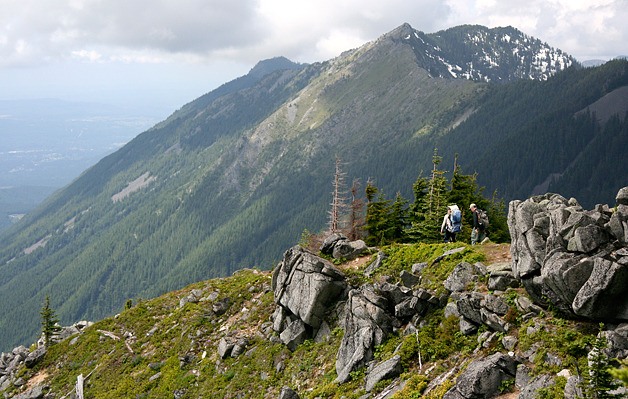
49, 322
398, 219
377, 220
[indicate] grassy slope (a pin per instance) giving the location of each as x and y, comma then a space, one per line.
165, 348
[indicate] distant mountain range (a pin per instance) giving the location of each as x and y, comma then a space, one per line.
233, 178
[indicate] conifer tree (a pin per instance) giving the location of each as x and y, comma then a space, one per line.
437, 188
398, 219
49, 322
599, 382
418, 211
377, 220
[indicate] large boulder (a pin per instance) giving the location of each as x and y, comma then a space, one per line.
349, 249
306, 285
390, 368
483, 378
366, 323
570, 258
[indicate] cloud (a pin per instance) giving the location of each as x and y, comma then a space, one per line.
580, 27
33, 32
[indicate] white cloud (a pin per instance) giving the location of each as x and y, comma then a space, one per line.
191, 46
580, 27
33, 32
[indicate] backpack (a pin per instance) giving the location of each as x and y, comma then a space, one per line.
456, 221
482, 219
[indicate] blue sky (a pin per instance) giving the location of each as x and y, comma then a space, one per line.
162, 54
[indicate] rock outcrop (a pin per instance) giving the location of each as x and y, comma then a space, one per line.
366, 324
573, 259
11, 363
483, 378
305, 288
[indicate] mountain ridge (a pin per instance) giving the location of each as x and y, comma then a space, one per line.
242, 171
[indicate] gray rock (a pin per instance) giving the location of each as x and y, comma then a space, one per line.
509, 342
294, 334
493, 321
393, 293
525, 305
467, 327
604, 295
530, 390
483, 378
469, 306
408, 279
463, 274
495, 304
618, 224
570, 258
225, 346
220, 307
391, 368
417, 268
617, 341
35, 356
376, 264
288, 393
449, 253
349, 249
622, 196
307, 285
37, 392
587, 239
323, 333
327, 248
239, 347
410, 307
498, 282
366, 324
451, 310
573, 388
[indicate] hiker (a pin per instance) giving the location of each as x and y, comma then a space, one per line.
451, 223
478, 232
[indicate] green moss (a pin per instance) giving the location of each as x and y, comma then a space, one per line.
413, 389
555, 391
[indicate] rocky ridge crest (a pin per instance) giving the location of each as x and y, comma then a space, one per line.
314, 299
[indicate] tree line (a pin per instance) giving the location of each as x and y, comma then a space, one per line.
380, 220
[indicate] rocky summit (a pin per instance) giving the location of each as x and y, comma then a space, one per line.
574, 259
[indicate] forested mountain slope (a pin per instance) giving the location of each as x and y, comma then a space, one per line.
234, 177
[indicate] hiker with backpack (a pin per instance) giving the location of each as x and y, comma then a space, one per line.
452, 223
480, 224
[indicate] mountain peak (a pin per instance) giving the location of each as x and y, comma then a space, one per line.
402, 31
264, 67
475, 52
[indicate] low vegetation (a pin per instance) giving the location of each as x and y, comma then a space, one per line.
157, 348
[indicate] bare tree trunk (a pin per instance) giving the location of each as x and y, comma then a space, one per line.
338, 200
79, 387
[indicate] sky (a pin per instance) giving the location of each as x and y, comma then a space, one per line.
165, 53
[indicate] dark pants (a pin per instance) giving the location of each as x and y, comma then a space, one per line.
450, 236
